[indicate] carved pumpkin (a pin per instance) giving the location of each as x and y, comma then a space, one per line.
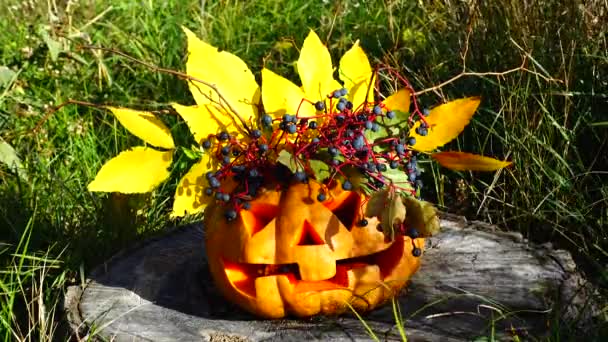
291, 254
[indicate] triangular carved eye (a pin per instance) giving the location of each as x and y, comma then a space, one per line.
258, 216
309, 236
345, 208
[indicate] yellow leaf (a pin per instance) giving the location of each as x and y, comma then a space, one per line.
315, 69
280, 96
399, 101
356, 73
145, 126
138, 170
207, 119
190, 195
446, 122
226, 71
462, 161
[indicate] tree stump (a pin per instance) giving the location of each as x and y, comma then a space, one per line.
474, 281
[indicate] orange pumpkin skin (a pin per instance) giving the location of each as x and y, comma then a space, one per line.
291, 254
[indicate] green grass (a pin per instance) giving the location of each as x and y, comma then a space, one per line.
52, 230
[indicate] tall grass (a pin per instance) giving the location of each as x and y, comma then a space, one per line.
554, 130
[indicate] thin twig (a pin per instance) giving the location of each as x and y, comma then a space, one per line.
464, 73
178, 74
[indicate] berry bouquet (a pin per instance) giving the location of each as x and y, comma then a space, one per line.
311, 193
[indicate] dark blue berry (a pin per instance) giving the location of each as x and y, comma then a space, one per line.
256, 133
412, 176
206, 144
263, 147
375, 127
400, 149
333, 151
359, 142
253, 173
208, 191
377, 110
321, 197
225, 197
413, 233
287, 118
300, 176
210, 174
341, 106
319, 105
223, 136
426, 112
362, 223
226, 160
371, 167
349, 105
336, 94
347, 185
266, 120
381, 167
334, 162
340, 119
394, 164
390, 115
291, 128
230, 214
225, 150
315, 140
343, 92
412, 141
238, 168
246, 205
416, 252
368, 125
218, 196
312, 125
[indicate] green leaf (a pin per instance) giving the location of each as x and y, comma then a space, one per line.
289, 160
6, 76
381, 133
400, 120
388, 207
398, 177
421, 215
192, 154
54, 46
321, 170
9, 157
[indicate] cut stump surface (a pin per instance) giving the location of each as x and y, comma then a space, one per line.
472, 279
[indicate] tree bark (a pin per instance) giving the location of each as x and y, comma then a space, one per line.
474, 281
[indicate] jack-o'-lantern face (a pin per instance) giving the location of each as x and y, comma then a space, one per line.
290, 253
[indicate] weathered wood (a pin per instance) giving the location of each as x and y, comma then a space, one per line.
472, 278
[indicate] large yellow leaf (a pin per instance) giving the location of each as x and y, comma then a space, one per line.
399, 101
315, 69
145, 126
280, 96
190, 195
138, 170
226, 71
446, 122
356, 73
207, 119
462, 161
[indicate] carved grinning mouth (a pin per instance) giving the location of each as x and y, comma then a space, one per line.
243, 275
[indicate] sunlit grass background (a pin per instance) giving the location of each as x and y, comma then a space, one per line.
551, 120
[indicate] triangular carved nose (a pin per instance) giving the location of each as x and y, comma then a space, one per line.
309, 236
